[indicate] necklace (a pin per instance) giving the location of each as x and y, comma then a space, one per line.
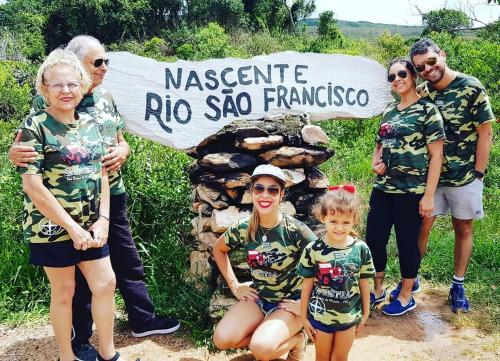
264, 237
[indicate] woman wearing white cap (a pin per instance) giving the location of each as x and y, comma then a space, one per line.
267, 316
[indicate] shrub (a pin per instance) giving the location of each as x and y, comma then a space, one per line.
16, 87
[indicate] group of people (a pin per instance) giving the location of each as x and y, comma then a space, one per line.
430, 157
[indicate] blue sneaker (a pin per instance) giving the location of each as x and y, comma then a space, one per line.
415, 289
376, 300
395, 308
458, 299
85, 352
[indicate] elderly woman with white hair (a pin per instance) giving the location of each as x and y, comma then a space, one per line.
125, 259
66, 202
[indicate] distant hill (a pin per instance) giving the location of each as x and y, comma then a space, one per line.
368, 30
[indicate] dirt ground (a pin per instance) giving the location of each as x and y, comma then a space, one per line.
420, 336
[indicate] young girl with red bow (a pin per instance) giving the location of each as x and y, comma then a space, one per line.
335, 299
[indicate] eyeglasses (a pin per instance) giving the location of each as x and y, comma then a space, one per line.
98, 62
421, 67
72, 86
273, 191
402, 74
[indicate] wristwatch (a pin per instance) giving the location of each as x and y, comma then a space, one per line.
479, 174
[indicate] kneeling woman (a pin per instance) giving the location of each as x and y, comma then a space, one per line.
407, 160
267, 316
66, 203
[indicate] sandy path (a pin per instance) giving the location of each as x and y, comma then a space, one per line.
420, 336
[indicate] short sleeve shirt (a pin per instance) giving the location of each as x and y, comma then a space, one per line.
69, 162
464, 106
404, 136
273, 255
100, 105
336, 299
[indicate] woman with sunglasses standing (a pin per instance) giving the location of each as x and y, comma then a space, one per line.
267, 316
407, 160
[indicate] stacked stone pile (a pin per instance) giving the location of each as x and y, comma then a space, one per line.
222, 172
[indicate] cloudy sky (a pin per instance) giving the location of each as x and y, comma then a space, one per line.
401, 12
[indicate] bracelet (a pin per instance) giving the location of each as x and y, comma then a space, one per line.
106, 218
479, 174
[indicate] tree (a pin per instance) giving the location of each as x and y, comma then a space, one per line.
328, 26
445, 20
229, 14
277, 15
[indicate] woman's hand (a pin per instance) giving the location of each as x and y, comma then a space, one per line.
100, 230
361, 325
379, 167
308, 328
115, 158
82, 240
243, 291
426, 206
292, 306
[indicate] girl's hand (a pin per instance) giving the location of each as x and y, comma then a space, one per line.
361, 326
379, 167
243, 291
100, 230
82, 240
309, 330
292, 306
426, 206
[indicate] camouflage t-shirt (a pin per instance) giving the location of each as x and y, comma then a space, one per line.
336, 299
100, 105
69, 162
273, 256
464, 106
404, 136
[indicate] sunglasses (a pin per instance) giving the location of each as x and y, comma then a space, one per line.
402, 74
421, 67
273, 191
98, 62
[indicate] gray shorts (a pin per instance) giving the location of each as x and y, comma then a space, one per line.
464, 202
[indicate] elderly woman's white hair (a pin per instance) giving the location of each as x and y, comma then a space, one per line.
82, 44
62, 57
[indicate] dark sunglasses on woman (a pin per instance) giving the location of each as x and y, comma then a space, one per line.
273, 191
421, 67
402, 74
98, 62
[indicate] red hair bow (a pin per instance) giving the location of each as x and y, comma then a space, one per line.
351, 188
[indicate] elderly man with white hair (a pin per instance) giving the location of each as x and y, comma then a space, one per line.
123, 253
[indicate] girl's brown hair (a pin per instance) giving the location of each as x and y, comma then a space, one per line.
339, 200
254, 221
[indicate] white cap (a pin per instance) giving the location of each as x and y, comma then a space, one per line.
269, 170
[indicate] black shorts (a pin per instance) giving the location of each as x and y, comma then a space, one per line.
63, 254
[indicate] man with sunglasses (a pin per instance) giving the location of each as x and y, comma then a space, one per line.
123, 253
468, 117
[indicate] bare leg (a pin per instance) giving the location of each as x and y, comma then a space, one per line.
425, 232
405, 293
323, 344
276, 335
342, 344
102, 282
237, 326
379, 283
62, 289
463, 244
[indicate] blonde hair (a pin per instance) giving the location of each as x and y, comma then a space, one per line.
254, 221
57, 57
341, 201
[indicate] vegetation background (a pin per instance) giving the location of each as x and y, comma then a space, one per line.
157, 184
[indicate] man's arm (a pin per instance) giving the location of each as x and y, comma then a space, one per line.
21, 155
484, 142
117, 155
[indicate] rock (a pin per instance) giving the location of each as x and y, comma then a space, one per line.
304, 203
229, 180
296, 157
222, 219
247, 197
316, 178
294, 176
288, 208
313, 134
200, 267
219, 304
224, 162
207, 239
211, 196
233, 193
201, 224
259, 143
